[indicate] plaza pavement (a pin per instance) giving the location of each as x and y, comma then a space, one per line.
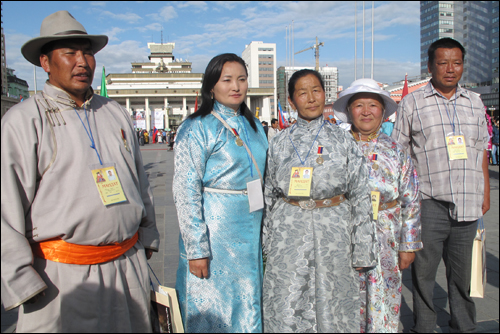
159, 166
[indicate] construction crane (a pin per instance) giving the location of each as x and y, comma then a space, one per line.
316, 51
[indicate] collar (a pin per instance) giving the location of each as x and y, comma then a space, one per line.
431, 91
222, 109
315, 123
371, 137
58, 95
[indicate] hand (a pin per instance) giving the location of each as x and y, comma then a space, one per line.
486, 203
199, 267
35, 298
405, 259
358, 269
149, 253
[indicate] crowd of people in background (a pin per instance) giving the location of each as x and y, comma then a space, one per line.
156, 136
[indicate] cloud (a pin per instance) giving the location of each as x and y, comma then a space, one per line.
113, 32
153, 26
199, 6
98, 3
127, 17
384, 70
117, 58
230, 4
165, 14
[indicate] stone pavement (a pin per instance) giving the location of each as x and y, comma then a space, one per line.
159, 164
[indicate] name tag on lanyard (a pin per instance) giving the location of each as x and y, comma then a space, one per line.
300, 182
255, 196
108, 184
456, 147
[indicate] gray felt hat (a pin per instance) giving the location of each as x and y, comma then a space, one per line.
58, 26
363, 86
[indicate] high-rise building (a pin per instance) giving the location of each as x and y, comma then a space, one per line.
470, 23
330, 79
260, 58
4, 66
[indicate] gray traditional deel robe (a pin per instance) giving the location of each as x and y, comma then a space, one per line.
48, 191
310, 281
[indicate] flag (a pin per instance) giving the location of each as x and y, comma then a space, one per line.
155, 133
104, 90
283, 122
196, 103
405, 88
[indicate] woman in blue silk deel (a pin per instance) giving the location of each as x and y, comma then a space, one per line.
219, 278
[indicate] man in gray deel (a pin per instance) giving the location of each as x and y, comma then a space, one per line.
74, 246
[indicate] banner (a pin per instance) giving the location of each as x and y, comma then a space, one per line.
159, 118
139, 124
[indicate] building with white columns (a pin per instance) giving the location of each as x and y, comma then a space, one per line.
162, 93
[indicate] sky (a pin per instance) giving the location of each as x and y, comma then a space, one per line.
203, 29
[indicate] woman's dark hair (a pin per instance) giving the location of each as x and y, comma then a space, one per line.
446, 43
210, 79
300, 74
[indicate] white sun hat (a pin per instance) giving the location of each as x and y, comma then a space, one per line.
363, 86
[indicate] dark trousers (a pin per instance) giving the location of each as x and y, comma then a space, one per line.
443, 237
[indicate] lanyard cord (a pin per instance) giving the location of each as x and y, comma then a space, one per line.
447, 112
289, 137
91, 137
249, 147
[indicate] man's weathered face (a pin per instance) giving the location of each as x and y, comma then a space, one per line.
274, 125
71, 65
447, 68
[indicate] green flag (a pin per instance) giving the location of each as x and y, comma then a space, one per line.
104, 90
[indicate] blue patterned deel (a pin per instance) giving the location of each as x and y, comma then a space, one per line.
218, 225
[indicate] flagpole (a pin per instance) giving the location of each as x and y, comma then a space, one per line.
363, 74
355, 40
286, 47
373, 7
293, 46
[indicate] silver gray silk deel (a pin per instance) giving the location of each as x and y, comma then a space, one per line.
310, 283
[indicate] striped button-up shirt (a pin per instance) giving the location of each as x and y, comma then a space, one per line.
424, 119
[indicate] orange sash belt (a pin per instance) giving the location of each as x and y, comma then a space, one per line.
58, 250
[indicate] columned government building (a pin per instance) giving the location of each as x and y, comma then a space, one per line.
162, 93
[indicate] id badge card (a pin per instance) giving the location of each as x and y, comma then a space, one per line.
375, 196
300, 182
255, 195
455, 145
108, 184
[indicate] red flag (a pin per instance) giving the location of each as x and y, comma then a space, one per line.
155, 133
405, 88
282, 122
196, 103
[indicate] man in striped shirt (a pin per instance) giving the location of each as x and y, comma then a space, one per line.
454, 182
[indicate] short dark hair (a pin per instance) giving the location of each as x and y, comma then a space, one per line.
300, 74
274, 120
446, 43
210, 79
